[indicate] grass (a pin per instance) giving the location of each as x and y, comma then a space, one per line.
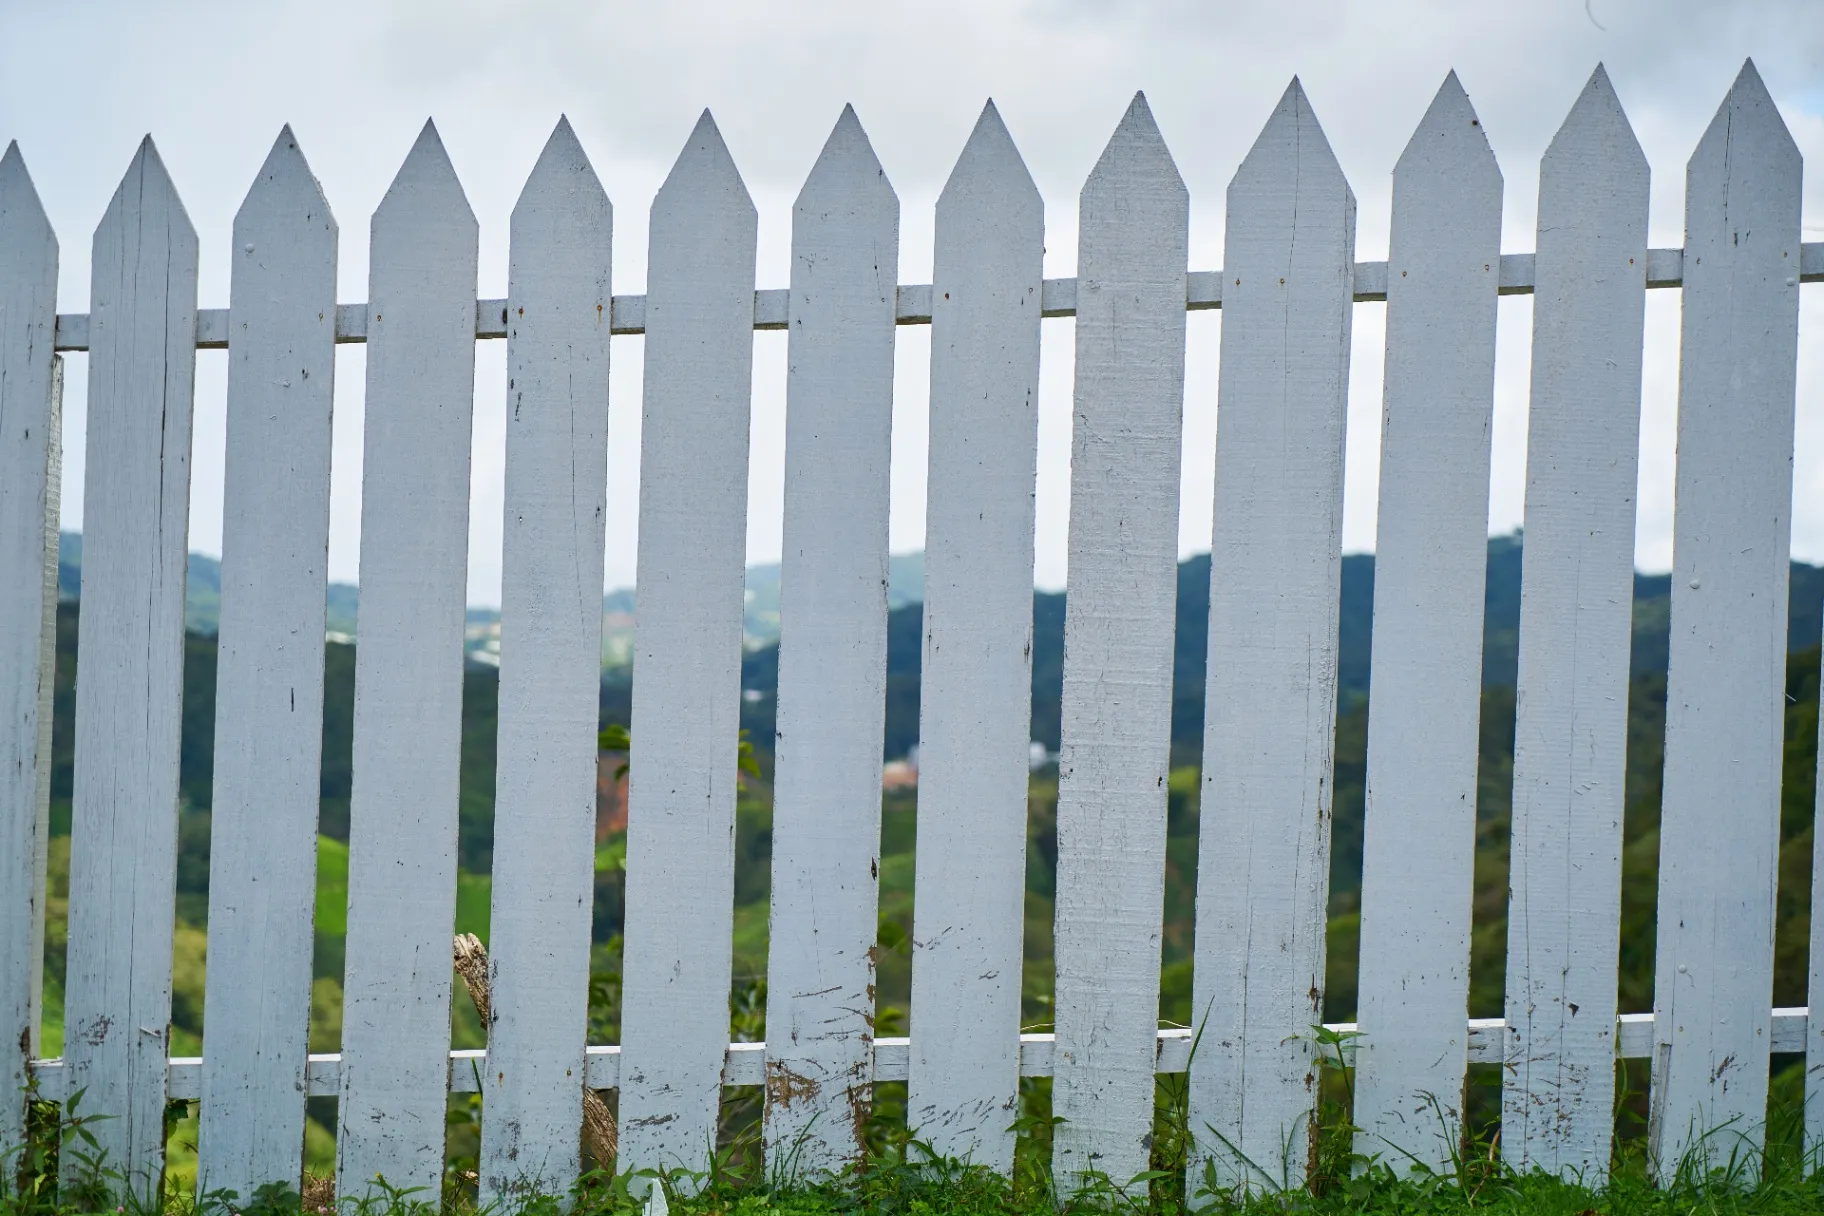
901, 1176
888, 1184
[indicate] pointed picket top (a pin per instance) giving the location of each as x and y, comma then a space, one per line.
1136, 153
1293, 145
563, 177
704, 170
426, 183
1449, 141
990, 165
1747, 130
1597, 123
285, 188
22, 217
28, 243
144, 189
846, 170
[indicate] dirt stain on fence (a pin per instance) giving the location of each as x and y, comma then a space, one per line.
784, 1087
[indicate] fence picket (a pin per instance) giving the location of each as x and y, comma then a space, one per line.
1132, 250
408, 677
1425, 697
1720, 814
551, 644
1270, 708
30, 469
832, 659
136, 514
976, 698
1576, 618
686, 706
269, 680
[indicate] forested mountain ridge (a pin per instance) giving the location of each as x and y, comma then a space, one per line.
474, 812
905, 652
1500, 651
1500, 654
760, 615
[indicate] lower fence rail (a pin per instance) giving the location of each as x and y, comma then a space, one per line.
745, 1063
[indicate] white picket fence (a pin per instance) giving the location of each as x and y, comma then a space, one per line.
1287, 292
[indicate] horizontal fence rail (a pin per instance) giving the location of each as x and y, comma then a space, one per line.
772, 306
745, 1063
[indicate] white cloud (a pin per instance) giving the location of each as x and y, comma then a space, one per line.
80, 84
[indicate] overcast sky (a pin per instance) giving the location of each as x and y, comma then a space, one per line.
81, 83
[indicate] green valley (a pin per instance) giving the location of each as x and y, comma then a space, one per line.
754, 820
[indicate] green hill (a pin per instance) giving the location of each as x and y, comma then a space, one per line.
754, 814
1500, 658
1501, 630
760, 623
202, 589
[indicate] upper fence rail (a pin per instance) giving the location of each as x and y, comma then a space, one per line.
772, 306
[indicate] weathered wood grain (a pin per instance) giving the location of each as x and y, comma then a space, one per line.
1576, 618
1127, 422
686, 706
1425, 700
136, 515
408, 678
1263, 871
30, 469
975, 704
832, 659
1725, 679
550, 664
269, 680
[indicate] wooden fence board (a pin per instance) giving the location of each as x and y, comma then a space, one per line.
686, 705
1270, 707
550, 681
30, 469
1425, 699
269, 680
136, 514
408, 678
832, 659
1726, 671
1133, 239
1576, 619
976, 692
